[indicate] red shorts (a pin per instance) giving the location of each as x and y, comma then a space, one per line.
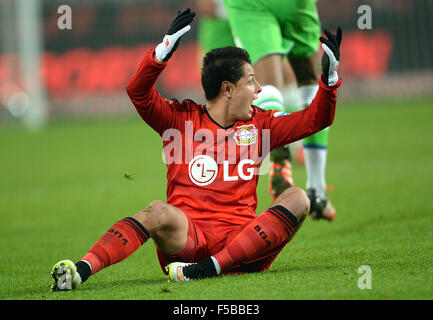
206, 238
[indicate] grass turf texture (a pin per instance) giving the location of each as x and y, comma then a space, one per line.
61, 189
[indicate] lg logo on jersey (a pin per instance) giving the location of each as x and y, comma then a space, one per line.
203, 170
241, 142
237, 152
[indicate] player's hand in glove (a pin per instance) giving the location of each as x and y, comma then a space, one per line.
178, 28
331, 56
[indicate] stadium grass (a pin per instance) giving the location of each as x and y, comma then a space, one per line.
60, 190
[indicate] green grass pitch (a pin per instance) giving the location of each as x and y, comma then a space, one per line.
62, 188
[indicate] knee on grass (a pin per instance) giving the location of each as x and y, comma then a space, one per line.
296, 201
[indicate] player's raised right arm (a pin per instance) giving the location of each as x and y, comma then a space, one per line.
179, 26
154, 109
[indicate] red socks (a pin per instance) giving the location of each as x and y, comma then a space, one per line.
272, 228
119, 242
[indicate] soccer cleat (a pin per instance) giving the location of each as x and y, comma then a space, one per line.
182, 271
65, 276
320, 208
175, 271
280, 174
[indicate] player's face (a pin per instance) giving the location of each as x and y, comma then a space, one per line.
244, 92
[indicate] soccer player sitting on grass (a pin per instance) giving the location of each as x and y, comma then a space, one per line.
208, 226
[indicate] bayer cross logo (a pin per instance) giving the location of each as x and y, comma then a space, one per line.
245, 135
202, 170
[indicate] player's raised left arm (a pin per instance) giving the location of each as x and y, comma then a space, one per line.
320, 114
331, 56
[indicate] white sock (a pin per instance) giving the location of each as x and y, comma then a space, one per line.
315, 164
291, 97
290, 94
315, 158
270, 98
307, 94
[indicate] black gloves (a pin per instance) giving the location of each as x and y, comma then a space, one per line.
331, 56
178, 28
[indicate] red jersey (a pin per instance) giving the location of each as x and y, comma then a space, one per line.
212, 171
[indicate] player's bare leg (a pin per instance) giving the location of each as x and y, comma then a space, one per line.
307, 71
166, 224
268, 72
266, 234
290, 87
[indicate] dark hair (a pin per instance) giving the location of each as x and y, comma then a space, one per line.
222, 64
